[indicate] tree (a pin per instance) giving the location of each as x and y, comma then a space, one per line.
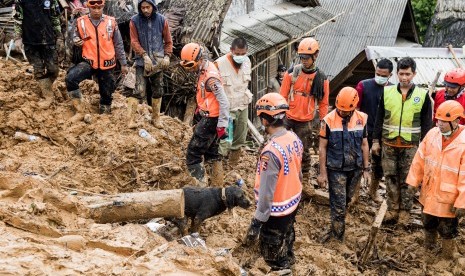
423, 11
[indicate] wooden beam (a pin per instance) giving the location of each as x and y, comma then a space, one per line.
374, 230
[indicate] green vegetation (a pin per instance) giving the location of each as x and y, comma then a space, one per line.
423, 11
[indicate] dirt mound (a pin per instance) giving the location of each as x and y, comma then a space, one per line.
44, 229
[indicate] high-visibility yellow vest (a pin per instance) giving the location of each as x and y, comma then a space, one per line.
403, 118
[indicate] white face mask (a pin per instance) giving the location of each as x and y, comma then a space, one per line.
239, 59
381, 80
446, 134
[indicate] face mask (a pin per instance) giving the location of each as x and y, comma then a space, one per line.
381, 80
239, 59
446, 134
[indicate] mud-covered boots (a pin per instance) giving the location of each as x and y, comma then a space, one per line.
47, 92
431, 238
78, 110
132, 110
374, 194
198, 172
104, 109
449, 249
217, 174
307, 188
234, 157
156, 106
404, 218
391, 217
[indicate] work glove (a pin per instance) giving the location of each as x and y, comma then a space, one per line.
253, 232
165, 62
459, 213
148, 65
78, 41
376, 149
221, 132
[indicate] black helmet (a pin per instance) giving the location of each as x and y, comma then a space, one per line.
281, 68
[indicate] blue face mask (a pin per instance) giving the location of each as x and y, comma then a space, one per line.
381, 80
239, 59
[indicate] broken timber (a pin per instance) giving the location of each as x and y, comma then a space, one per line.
135, 206
255, 134
374, 230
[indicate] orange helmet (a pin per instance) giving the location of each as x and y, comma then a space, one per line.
449, 111
190, 54
347, 99
455, 77
308, 46
95, 3
271, 104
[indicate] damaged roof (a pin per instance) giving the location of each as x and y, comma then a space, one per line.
364, 23
269, 26
429, 61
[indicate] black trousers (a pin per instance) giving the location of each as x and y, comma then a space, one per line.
204, 143
44, 60
446, 227
277, 238
83, 71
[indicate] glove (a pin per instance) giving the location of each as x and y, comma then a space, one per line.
253, 232
459, 212
148, 65
221, 132
375, 149
78, 41
165, 62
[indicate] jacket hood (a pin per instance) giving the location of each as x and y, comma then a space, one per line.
151, 2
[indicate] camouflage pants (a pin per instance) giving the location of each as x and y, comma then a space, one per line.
396, 164
341, 189
304, 132
446, 227
44, 60
277, 238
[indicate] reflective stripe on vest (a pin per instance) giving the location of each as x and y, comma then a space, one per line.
98, 48
288, 149
206, 100
403, 118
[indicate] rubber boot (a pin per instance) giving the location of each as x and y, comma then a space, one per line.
156, 105
374, 195
234, 157
449, 249
217, 174
104, 109
431, 238
132, 110
391, 217
198, 172
47, 92
78, 109
307, 188
404, 217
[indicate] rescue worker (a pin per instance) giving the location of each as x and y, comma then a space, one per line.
102, 45
454, 82
274, 86
302, 86
439, 168
151, 41
344, 156
213, 107
277, 187
235, 69
403, 119
369, 93
37, 26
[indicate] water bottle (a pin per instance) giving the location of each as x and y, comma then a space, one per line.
26, 137
149, 138
230, 130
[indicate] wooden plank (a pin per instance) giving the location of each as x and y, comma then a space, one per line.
6, 10
374, 230
253, 130
321, 197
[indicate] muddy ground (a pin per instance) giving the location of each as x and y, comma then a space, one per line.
44, 231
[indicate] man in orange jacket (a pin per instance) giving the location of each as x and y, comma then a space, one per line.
439, 167
102, 45
213, 106
302, 86
277, 187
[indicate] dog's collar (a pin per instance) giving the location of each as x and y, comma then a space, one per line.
223, 197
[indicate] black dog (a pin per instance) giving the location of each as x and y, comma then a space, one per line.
204, 203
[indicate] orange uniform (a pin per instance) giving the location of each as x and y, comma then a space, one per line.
98, 48
440, 170
302, 107
206, 100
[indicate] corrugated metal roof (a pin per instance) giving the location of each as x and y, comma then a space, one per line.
272, 25
367, 22
429, 61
